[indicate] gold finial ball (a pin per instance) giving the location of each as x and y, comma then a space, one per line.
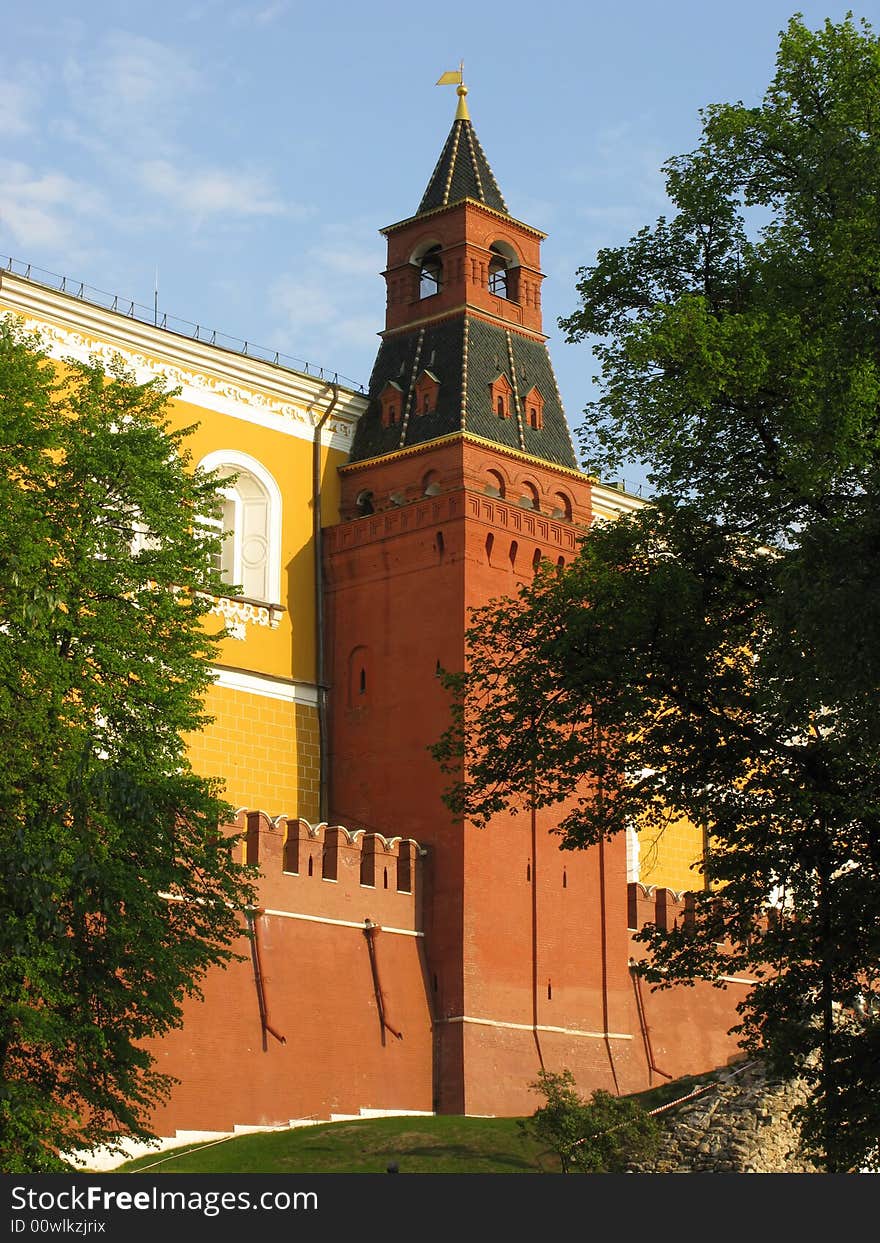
461, 90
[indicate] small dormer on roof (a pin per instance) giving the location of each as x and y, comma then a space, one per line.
534, 409
391, 399
500, 393
426, 392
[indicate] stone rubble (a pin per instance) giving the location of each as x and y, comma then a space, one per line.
742, 1125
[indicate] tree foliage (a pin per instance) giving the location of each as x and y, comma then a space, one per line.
717, 654
117, 893
601, 1135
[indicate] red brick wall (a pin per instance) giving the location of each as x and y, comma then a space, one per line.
465, 233
319, 994
525, 957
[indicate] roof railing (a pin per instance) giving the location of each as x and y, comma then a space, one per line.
171, 323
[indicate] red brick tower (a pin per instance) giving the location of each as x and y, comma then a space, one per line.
462, 478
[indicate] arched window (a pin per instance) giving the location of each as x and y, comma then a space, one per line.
561, 506
503, 271
494, 484
251, 524
498, 276
430, 272
529, 498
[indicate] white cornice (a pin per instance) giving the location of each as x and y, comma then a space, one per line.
608, 502
275, 397
305, 693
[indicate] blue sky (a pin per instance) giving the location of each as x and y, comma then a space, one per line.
251, 151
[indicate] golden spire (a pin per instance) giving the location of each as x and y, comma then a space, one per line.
456, 77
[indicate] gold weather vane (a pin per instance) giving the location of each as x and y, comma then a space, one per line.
455, 77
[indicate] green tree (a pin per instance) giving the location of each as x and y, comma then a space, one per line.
601, 1135
117, 893
717, 655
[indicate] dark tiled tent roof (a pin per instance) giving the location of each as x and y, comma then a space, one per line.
491, 350
467, 355
462, 172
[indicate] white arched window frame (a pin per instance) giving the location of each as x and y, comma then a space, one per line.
251, 557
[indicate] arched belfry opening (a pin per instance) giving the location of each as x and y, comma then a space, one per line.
503, 271
430, 269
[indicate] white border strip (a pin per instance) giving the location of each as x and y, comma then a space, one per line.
339, 923
531, 1027
269, 688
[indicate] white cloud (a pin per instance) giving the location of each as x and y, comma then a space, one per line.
339, 252
270, 13
331, 306
131, 88
265, 15
16, 103
43, 211
319, 318
212, 191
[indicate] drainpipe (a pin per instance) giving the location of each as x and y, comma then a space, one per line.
259, 979
643, 1023
371, 931
534, 834
603, 915
323, 745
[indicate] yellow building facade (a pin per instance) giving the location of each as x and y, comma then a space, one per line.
282, 433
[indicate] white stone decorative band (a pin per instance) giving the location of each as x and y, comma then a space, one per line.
239, 613
244, 388
305, 693
530, 1027
341, 923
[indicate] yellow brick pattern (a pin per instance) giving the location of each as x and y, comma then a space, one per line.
308, 762
666, 855
264, 750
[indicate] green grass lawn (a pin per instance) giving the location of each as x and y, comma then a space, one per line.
418, 1145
